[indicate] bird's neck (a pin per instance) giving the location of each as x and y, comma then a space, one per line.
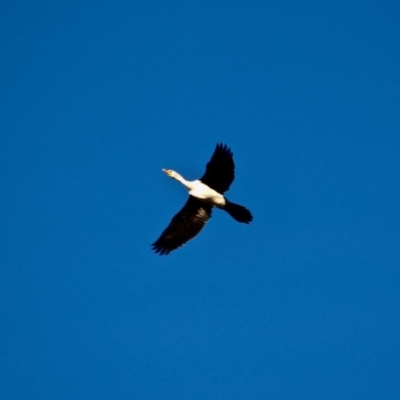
184, 182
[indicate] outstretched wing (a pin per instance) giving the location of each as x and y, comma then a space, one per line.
185, 225
220, 170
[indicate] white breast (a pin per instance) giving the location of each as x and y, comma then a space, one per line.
205, 193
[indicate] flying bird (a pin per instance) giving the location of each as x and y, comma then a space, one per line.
204, 194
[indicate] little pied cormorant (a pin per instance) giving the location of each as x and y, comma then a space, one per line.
203, 195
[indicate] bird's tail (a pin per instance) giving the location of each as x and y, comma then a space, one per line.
238, 212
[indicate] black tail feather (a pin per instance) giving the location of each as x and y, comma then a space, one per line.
238, 212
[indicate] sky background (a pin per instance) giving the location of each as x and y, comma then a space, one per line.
97, 97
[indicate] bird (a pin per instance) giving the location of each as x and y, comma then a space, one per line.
204, 194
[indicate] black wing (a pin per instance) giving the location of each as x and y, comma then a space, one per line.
220, 170
184, 226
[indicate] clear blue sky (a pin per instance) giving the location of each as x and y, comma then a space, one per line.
97, 97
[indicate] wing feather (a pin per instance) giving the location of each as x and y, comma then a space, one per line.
220, 170
185, 225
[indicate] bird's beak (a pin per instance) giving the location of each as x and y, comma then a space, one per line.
164, 170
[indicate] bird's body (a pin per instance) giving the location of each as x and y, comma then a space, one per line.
204, 194
199, 190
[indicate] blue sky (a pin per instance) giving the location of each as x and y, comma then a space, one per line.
97, 97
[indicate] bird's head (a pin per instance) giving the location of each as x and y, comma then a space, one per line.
170, 173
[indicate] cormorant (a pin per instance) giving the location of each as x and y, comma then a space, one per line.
204, 194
